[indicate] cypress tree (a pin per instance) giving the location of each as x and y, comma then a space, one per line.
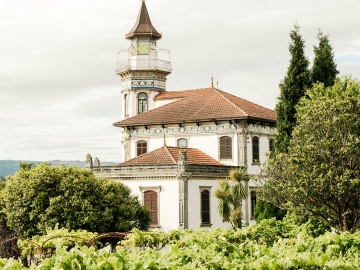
292, 88
324, 67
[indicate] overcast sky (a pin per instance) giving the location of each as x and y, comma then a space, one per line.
59, 94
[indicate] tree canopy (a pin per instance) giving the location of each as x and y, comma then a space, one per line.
230, 193
324, 67
292, 88
320, 174
40, 197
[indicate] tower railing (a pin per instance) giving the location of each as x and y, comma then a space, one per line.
143, 64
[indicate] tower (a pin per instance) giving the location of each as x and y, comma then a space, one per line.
143, 73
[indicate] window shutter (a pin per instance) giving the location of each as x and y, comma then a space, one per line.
150, 201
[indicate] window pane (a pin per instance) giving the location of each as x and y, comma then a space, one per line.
142, 103
141, 147
182, 143
255, 147
205, 207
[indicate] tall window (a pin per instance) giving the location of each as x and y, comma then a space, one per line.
205, 207
182, 142
225, 148
255, 148
271, 145
142, 102
253, 202
141, 147
126, 97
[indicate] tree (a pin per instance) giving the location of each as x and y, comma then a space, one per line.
8, 249
324, 67
45, 195
230, 193
292, 88
320, 175
265, 210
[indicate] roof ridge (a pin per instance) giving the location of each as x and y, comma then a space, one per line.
147, 153
153, 109
220, 94
246, 100
167, 150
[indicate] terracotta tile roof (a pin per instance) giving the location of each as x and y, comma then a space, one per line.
143, 26
199, 105
168, 155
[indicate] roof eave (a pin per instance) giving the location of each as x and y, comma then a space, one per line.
117, 124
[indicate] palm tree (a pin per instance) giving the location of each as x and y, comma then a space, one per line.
230, 193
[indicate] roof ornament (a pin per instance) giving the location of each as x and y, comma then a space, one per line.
164, 139
212, 81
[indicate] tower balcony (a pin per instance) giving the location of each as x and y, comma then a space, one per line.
143, 64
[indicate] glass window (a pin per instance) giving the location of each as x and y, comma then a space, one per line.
141, 147
182, 142
253, 202
225, 148
255, 148
126, 105
142, 103
205, 206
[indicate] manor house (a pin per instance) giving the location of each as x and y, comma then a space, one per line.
177, 144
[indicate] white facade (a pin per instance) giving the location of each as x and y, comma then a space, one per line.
244, 134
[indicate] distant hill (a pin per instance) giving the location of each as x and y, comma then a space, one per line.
10, 167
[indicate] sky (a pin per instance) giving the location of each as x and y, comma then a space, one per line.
59, 94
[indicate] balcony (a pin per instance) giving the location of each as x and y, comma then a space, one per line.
143, 64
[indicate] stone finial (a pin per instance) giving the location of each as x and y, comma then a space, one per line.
89, 162
182, 161
96, 162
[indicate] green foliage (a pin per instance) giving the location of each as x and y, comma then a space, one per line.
324, 67
271, 244
25, 166
71, 197
266, 210
320, 175
230, 193
55, 238
292, 88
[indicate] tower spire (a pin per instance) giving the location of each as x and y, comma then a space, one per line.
143, 26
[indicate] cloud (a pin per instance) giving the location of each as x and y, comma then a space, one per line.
59, 94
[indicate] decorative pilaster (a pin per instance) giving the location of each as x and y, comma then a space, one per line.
183, 178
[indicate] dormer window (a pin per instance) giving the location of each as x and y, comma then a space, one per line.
182, 142
142, 103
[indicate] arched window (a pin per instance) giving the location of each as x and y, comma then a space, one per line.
141, 147
255, 148
182, 142
271, 145
253, 202
225, 148
142, 102
126, 98
205, 207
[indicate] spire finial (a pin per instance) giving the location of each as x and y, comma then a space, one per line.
212, 81
217, 84
164, 139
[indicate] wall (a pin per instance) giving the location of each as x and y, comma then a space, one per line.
167, 199
194, 205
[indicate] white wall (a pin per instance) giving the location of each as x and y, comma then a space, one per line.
167, 198
194, 205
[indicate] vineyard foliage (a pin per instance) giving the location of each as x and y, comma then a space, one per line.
270, 244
